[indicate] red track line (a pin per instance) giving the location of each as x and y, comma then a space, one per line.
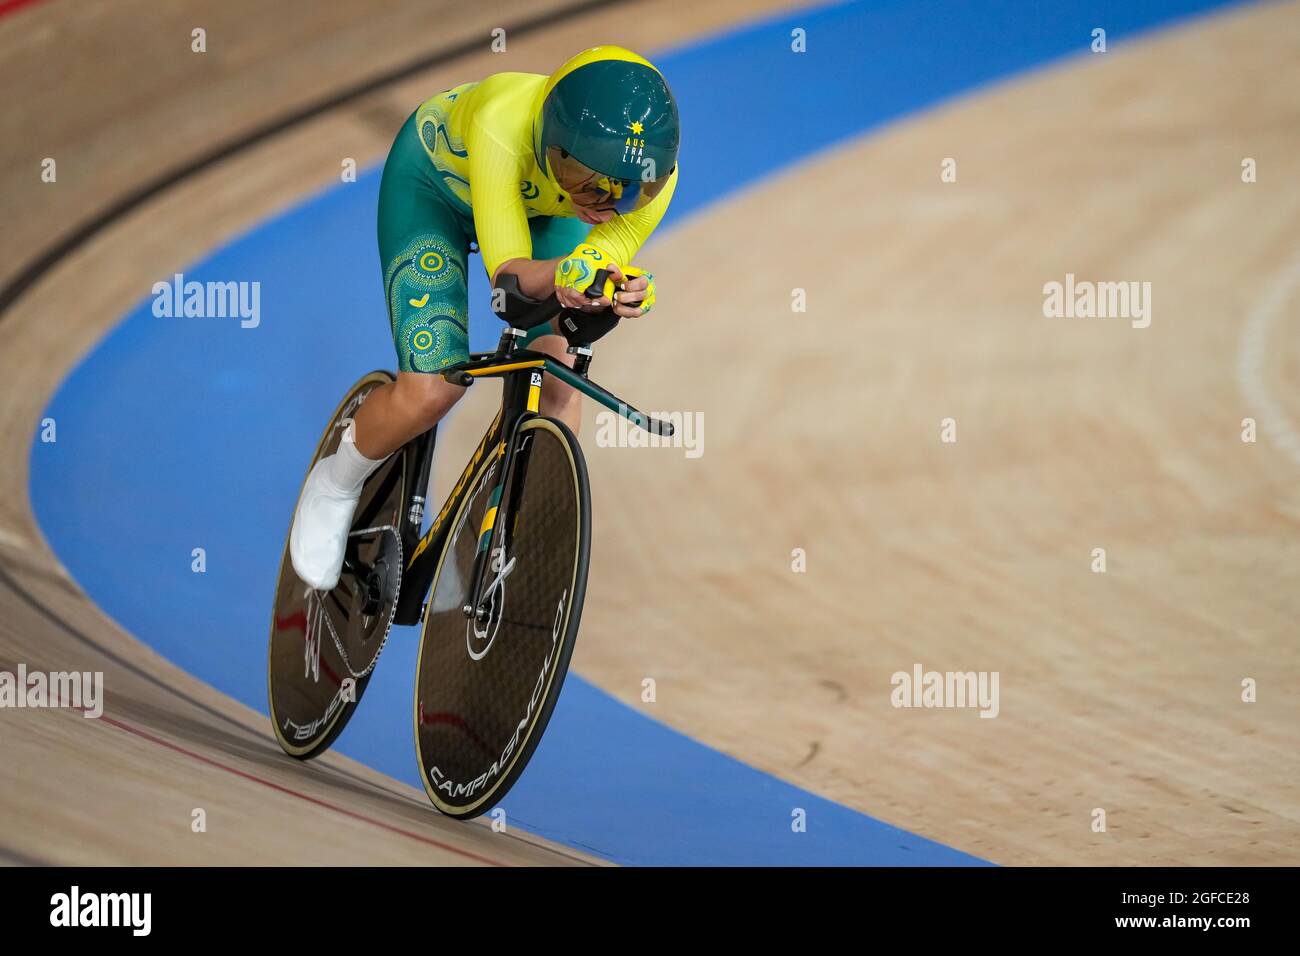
294, 793
9, 6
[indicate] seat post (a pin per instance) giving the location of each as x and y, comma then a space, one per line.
507, 343
423, 447
583, 361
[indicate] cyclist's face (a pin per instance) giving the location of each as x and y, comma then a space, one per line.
586, 188
596, 197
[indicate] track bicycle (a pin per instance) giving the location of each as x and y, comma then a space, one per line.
498, 578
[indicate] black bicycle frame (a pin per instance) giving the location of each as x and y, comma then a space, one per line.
522, 370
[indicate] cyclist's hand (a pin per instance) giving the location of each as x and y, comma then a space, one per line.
636, 295
575, 273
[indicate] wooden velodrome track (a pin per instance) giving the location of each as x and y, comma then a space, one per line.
1119, 690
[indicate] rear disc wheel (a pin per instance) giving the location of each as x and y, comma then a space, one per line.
324, 644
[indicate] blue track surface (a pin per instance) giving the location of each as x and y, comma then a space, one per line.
182, 433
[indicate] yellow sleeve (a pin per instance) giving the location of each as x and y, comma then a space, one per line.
500, 219
623, 236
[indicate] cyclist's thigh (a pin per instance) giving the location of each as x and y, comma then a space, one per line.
423, 247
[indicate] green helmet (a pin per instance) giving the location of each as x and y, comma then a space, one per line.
612, 111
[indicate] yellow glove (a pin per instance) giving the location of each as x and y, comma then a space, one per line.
578, 269
632, 272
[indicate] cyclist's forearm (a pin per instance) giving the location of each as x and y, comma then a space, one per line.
536, 276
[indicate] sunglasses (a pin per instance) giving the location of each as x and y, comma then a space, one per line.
590, 188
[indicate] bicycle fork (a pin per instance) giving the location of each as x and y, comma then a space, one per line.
501, 508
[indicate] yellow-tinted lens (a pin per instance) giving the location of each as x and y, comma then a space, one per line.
588, 187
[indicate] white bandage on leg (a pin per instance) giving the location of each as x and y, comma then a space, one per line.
319, 536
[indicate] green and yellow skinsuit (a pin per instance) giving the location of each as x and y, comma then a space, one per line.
463, 170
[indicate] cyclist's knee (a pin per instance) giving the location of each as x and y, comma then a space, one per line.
557, 397
426, 398
555, 346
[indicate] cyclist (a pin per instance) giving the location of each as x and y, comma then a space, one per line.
552, 178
